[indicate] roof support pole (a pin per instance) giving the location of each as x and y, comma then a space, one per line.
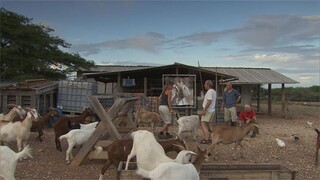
283, 99
145, 85
269, 99
258, 98
118, 83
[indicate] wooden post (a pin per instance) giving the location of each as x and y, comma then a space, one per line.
283, 99
145, 86
269, 99
258, 98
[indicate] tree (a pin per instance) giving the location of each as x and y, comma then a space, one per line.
30, 51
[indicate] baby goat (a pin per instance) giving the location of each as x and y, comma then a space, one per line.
9, 159
230, 134
317, 146
61, 126
189, 124
76, 137
143, 116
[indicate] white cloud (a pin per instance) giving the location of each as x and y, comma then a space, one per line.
149, 42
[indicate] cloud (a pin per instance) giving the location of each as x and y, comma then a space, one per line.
265, 31
149, 42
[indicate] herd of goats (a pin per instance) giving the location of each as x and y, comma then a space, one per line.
151, 158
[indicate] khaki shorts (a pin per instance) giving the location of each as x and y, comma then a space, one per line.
230, 113
207, 117
165, 114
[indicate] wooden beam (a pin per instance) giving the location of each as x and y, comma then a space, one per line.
88, 145
105, 117
258, 98
269, 100
283, 100
145, 85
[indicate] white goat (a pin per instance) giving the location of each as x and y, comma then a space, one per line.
171, 170
18, 131
149, 152
88, 126
188, 124
18, 110
76, 137
9, 159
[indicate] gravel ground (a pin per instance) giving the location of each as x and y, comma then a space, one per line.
48, 163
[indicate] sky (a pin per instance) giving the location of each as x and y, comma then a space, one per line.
281, 35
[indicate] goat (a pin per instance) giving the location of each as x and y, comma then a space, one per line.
19, 131
83, 126
143, 116
9, 159
174, 170
37, 126
76, 137
317, 146
149, 152
189, 123
119, 150
230, 134
18, 110
61, 126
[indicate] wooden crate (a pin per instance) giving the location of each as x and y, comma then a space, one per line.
225, 172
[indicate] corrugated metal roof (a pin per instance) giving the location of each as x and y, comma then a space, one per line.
244, 75
254, 75
116, 68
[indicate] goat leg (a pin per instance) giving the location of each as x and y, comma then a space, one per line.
69, 153
317, 156
130, 156
104, 169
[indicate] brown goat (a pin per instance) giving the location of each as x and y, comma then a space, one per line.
37, 126
230, 134
143, 116
61, 126
317, 146
119, 150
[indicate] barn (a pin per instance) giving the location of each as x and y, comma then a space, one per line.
149, 80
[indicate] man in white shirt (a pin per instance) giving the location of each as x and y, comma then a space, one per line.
209, 105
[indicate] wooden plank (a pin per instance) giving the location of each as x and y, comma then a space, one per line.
105, 125
88, 145
105, 117
103, 143
102, 155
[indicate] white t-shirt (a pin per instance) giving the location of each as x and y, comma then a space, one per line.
210, 95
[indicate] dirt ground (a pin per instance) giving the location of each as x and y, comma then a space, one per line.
299, 156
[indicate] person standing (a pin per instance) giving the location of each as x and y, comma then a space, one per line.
165, 110
230, 98
208, 105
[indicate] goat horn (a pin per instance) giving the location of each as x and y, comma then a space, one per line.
187, 147
178, 136
179, 146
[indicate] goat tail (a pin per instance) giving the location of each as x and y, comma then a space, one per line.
318, 132
144, 173
63, 137
98, 150
24, 153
